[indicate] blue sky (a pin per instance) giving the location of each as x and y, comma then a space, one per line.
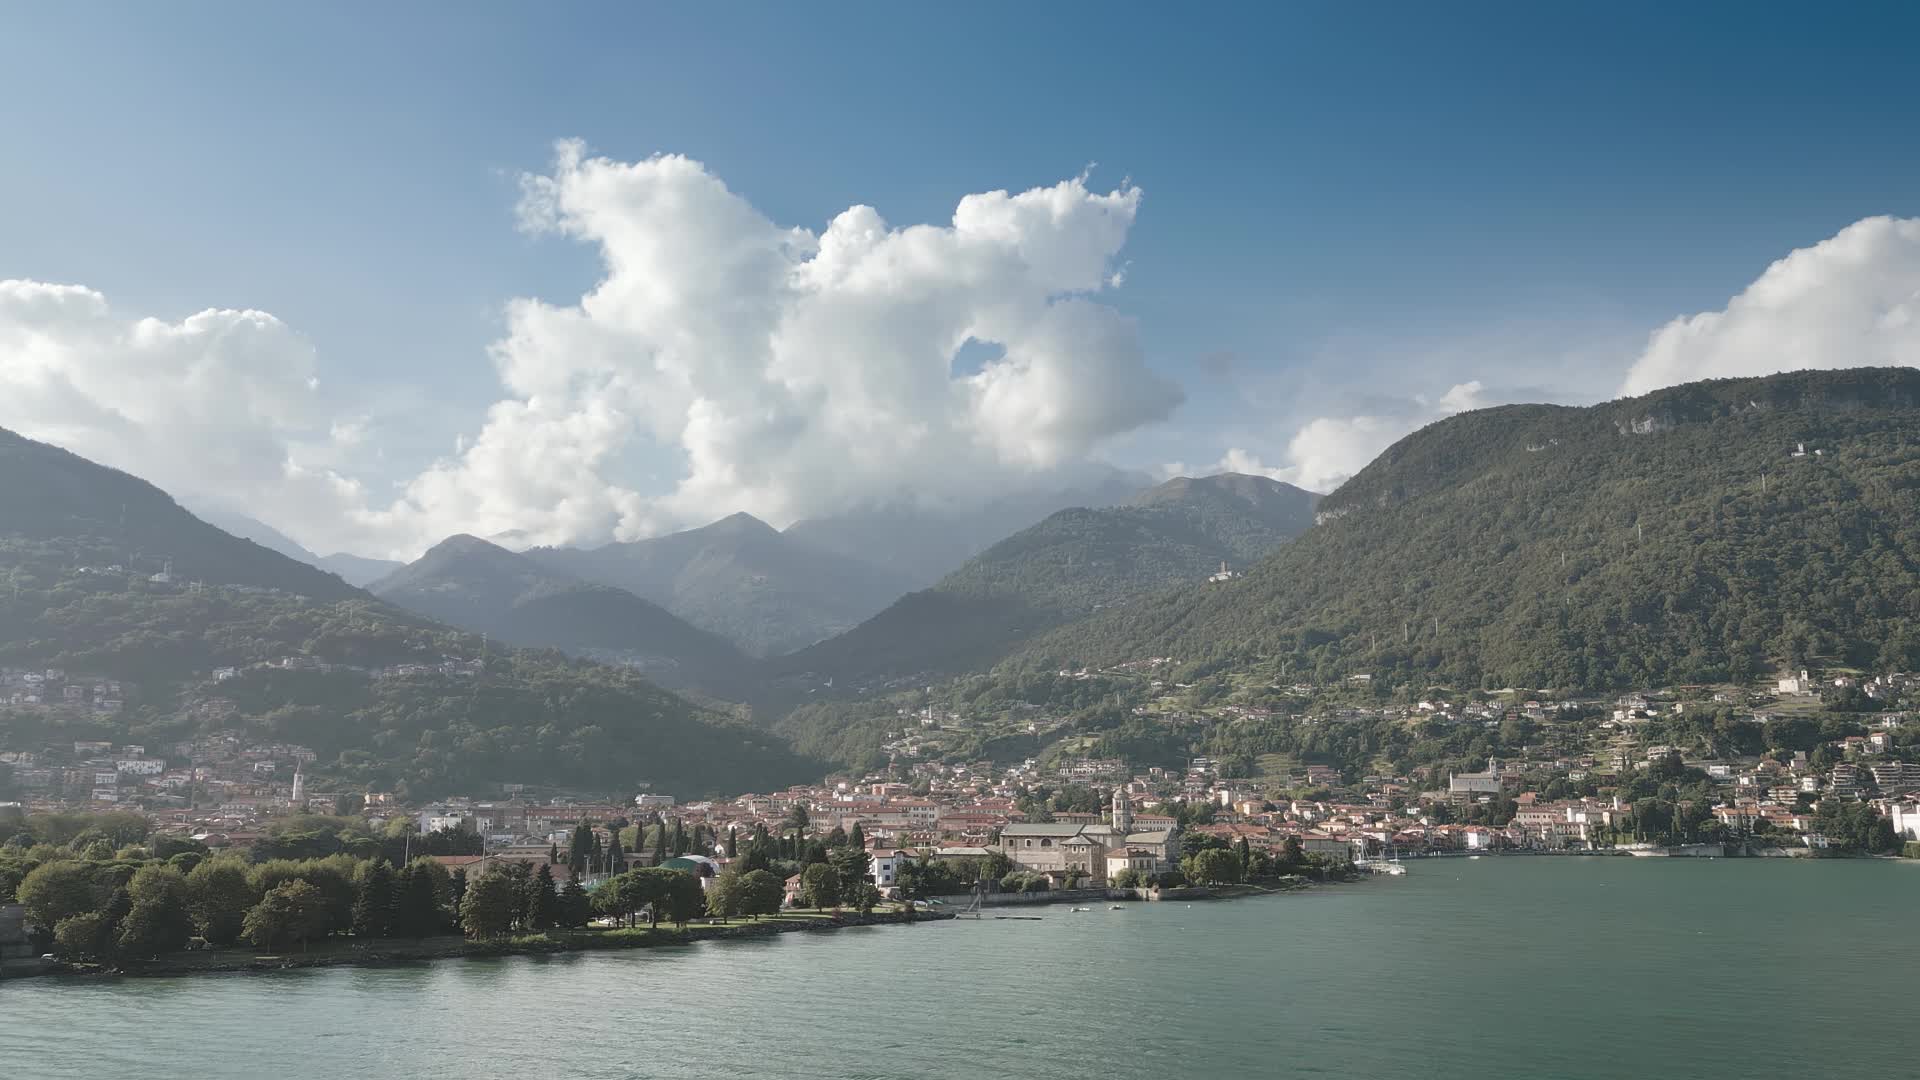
1342, 203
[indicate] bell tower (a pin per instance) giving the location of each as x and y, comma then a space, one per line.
1122, 812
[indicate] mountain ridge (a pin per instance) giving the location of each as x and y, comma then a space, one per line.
1704, 532
1074, 562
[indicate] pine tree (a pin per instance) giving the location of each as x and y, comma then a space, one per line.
373, 902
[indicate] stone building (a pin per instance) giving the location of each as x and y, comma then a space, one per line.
1087, 850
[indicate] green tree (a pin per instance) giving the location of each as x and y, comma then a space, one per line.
733, 843
416, 903
616, 856
852, 864
575, 906
580, 848
158, 921
727, 895
373, 905
295, 911
1214, 866
218, 896
820, 886
857, 837
762, 893
86, 937
682, 897
543, 904
487, 909
56, 890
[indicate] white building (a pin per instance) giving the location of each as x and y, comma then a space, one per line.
1906, 819
886, 867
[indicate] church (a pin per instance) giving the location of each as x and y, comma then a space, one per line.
1094, 852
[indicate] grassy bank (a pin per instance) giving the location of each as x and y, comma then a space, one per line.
397, 952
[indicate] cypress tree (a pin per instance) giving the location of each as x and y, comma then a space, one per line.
416, 910
373, 902
679, 842
858, 837
616, 858
733, 842
660, 844
459, 887
575, 907
578, 848
543, 905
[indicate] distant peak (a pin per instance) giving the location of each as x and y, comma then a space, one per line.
741, 522
464, 543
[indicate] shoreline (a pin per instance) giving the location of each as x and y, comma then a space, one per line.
406, 953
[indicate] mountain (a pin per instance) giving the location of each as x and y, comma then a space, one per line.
739, 578
66, 512
1075, 562
388, 699
482, 587
918, 544
1713, 531
355, 570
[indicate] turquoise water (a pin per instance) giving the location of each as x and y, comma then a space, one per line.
1519, 967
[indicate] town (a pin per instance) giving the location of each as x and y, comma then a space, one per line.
1592, 779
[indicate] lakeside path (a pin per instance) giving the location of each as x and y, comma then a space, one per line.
400, 952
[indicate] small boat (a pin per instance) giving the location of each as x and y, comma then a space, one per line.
1083, 909
1113, 907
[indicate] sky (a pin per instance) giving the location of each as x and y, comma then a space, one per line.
378, 274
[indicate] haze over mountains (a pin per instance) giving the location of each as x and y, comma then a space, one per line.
1075, 562
353, 569
1708, 532
482, 587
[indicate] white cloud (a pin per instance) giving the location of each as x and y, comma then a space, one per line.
1849, 301
221, 403
762, 368
1326, 450
793, 373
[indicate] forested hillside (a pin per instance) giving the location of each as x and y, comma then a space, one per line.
62, 511
482, 587
389, 698
739, 578
1074, 563
1705, 532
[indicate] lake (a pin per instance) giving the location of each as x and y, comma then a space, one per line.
1524, 967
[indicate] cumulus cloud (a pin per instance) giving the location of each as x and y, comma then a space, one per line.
790, 372
1852, 300
221, 403
722, 362
1326, 450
